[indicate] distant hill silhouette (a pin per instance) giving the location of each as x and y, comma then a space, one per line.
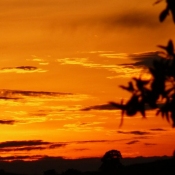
88, 165
158, 167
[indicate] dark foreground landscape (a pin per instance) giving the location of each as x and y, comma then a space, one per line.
90, 166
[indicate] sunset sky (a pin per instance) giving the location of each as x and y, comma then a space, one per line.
61, 62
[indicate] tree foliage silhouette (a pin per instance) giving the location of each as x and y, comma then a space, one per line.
111, 161
158, 92
170, 8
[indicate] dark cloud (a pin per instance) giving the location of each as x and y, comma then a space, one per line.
9, 144
134, 132
150, 144
38, 114
143, 59
25, 148
28, 68
10, 98
11, 158
28, 145
31, 148
94, 141
58, 145
139, 132
142, 137
7, 122
99, 141
41, 145
81, 149
110, 106
132, 19
22, 69
128, 20
100, 107
7, 94
157, 129
132, 142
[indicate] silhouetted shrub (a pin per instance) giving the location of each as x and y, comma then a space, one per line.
111, 162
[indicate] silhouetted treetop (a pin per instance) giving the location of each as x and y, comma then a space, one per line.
111, 162
111, 155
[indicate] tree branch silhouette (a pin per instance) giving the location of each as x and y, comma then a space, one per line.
160, 88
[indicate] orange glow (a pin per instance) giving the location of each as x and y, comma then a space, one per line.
58, 58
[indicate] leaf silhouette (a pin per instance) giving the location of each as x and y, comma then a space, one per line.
140, 83
158, 1
173, 118
167, 92
132, 106
142, 109
169, 48
120, 106
129, 88
171, 5
159, 91
122, 116
116, 105
163, 14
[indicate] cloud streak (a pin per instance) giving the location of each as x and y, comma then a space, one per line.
100, 107
22, 143
18, 94
134, 132
150, 144
7, 122
132, 142
18, 157
22, 69
28, 145
8, 94
158, 129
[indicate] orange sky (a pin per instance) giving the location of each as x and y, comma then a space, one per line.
61, 56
